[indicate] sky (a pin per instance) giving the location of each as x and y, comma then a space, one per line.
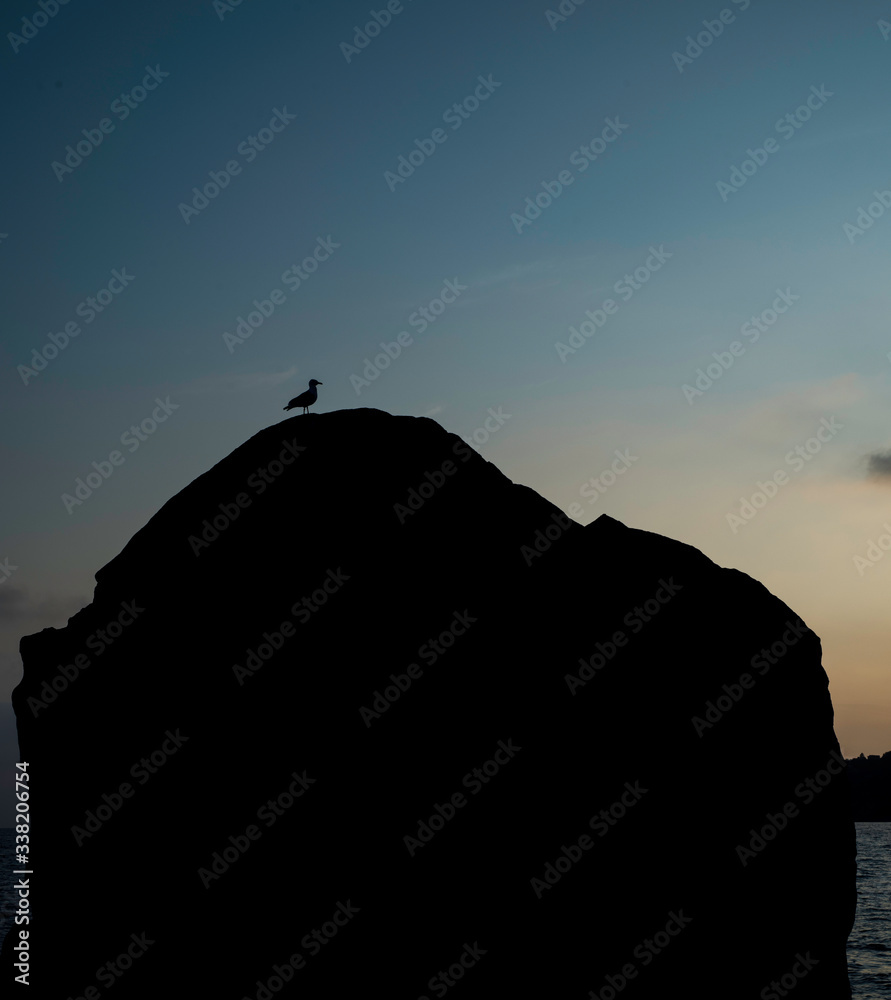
636, 253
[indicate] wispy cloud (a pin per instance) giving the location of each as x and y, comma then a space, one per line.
237, 382
840, 135
541, 273
790, 408
519, 272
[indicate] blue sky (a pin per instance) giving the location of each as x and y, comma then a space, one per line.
553, 87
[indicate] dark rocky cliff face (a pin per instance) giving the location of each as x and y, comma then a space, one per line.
355, 713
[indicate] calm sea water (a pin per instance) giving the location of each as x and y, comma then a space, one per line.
869, 947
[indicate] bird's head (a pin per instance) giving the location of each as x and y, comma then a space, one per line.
313, 381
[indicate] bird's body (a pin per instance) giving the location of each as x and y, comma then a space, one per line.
305, 399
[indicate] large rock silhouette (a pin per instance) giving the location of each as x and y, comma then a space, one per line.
355, 713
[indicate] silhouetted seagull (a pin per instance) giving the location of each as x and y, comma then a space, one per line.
305, 399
